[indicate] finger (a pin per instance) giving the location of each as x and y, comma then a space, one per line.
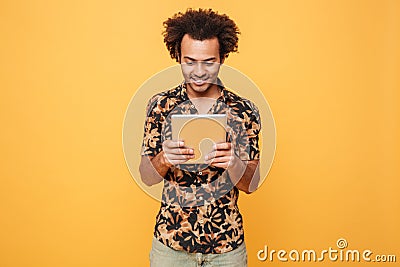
217, 154
180, 151
185, 151
174, 144
223, 146
218, 161
221, 165
210, 156
172, 157
176, 147
226, 159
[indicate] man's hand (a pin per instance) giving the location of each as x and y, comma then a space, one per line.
222, 156
244, 175
175, 152
154, 169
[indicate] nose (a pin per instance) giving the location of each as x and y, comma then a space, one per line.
199, 70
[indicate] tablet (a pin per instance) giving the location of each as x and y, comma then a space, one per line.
199, 132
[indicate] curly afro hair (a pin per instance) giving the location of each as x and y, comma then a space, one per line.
200, 24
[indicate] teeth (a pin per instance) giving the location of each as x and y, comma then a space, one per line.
199, 81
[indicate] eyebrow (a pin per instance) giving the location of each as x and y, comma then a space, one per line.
207, 59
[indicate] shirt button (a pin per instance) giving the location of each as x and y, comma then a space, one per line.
201, 198
201, 221
200, 173
192, 106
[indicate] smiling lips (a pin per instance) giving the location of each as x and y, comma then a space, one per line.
199, 82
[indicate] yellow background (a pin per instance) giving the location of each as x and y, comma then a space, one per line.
68, 69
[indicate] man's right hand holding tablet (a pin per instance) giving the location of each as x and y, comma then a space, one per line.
175, 152
154, 169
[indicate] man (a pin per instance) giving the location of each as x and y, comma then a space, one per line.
199, 223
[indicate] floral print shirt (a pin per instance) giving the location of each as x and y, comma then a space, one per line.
199, 211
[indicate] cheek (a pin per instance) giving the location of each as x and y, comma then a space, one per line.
214, 73
185, 72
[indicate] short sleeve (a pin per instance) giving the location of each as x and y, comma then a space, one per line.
152, 143
248, 141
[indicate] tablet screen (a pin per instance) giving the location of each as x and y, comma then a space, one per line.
199, 132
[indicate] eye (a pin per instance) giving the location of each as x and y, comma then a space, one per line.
208, 63
190, 63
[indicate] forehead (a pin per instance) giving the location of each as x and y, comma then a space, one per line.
199, 50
